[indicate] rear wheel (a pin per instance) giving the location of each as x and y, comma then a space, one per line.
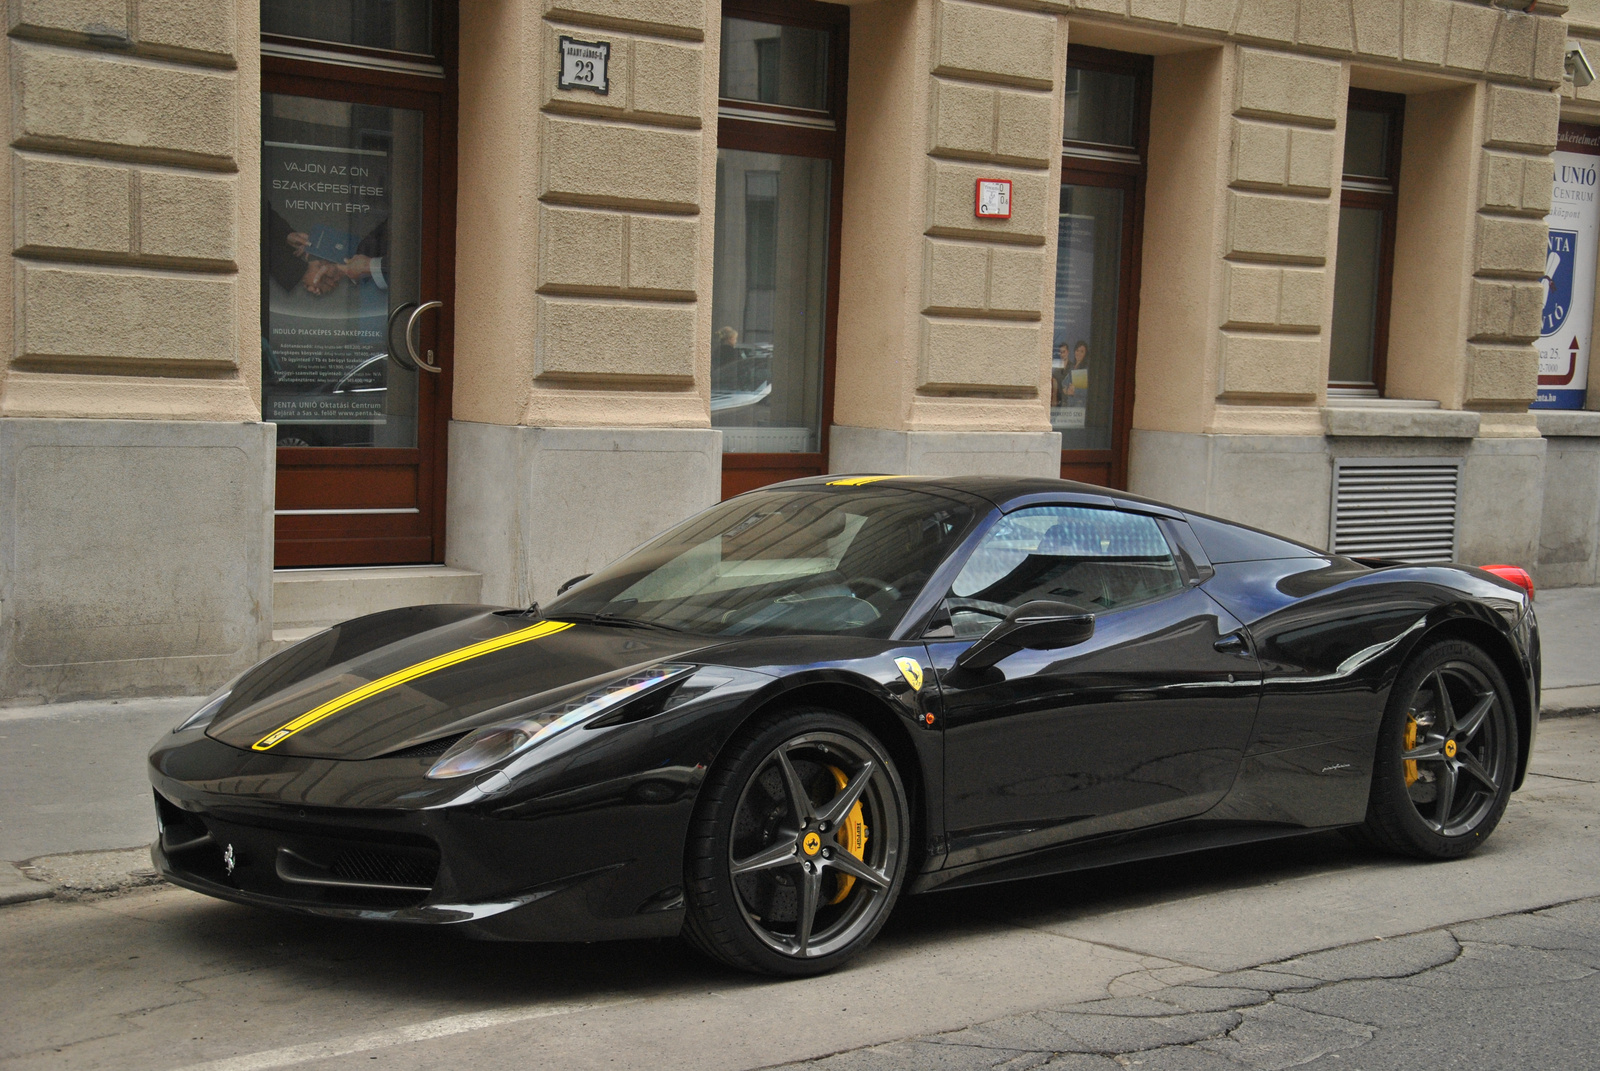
1447, 754
799, 846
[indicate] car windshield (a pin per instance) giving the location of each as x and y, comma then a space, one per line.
780, 562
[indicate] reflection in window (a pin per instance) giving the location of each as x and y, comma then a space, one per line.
778, 562
769, 295
1100, 107
1355, 295
392, 25
1368, 205
1366, 144
1084, 342
1098, 559
772, 64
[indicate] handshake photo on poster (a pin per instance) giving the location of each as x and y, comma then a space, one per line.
323, 271
323, 257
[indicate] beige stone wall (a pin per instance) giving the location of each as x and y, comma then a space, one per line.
940, 313
1236, 306
132, 186
584, 227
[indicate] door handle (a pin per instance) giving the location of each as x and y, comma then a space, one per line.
411, 337
398, 353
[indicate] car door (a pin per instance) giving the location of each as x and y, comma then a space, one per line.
1143, 723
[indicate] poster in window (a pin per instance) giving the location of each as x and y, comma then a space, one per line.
325, 238
1567, 316
1069, 347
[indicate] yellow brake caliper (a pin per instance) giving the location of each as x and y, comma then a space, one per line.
1411, 742
852, 835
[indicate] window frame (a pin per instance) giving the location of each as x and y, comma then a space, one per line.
1361, 191
426, 64
753, 126
1086, 163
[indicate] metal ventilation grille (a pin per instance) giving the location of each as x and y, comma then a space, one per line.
1405, 511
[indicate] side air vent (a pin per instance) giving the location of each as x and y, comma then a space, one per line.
1405, 510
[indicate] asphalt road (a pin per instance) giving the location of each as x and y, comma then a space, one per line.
1207, 961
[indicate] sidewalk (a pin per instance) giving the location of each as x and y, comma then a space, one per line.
75, 781
1569, 630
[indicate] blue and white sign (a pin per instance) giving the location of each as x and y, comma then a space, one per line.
1567, 320
1558, 281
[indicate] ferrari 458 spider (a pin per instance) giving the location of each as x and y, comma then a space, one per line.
762, 727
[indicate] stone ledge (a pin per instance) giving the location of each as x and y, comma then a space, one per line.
1387, 422
311, 599
1567, 423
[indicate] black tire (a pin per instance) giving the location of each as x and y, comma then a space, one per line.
792, 854
1465, 747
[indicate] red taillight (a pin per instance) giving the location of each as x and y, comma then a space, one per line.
1516, 574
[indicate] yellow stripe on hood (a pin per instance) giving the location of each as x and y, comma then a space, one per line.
410, 673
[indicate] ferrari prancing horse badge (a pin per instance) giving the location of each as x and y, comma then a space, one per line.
911, 669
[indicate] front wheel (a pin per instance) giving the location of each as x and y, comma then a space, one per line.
799, 846
1447, 754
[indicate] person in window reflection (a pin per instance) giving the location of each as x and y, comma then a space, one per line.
726, 358
1075, 380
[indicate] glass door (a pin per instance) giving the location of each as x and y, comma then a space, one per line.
355, 279
1096, 312
780, 146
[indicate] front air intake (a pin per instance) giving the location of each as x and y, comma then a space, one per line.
1400, 510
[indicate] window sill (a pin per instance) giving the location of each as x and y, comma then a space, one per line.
1567, 423
1397, 418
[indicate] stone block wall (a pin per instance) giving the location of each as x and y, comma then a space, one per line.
1285, 118
136, 478
133, 188
941, 313
584, 233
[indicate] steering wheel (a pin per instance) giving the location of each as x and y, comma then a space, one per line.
878, 585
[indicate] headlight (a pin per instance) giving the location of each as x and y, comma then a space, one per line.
495, 744
208, 710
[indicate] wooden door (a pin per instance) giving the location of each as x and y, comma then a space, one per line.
1100, 234
358, 181
780, 189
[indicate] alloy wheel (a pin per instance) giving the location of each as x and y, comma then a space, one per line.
815, 845
1455, 749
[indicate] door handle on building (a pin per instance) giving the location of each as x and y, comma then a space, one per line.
411, 337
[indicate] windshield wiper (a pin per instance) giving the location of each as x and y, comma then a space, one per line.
613, 621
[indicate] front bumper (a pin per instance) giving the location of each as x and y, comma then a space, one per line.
597, 864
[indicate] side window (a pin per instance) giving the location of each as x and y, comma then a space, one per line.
1099, 559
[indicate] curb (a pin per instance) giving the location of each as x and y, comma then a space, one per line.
1572, 702
18, 888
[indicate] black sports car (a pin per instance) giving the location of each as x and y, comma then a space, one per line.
762, 727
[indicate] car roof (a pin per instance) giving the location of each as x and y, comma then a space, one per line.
1005, 492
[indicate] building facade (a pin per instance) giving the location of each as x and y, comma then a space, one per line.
321, 306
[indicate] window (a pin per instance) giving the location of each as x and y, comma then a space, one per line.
383, 25
1099, 559
1102, 188
782, 563
780, 146
1365, 260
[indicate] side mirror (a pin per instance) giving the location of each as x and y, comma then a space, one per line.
1041, 625
562, 590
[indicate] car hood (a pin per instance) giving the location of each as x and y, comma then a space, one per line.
392, 681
